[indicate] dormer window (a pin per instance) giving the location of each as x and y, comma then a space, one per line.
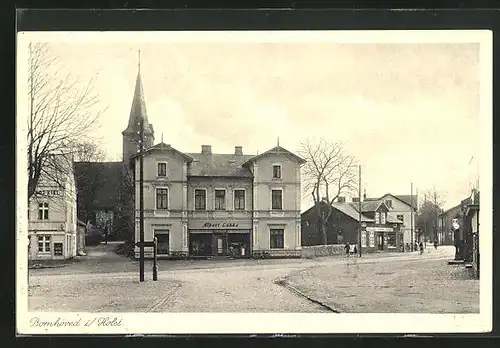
388, 202
277, 171
162, 169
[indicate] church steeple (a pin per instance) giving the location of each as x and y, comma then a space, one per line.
137, 111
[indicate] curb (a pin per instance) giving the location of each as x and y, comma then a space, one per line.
284, 283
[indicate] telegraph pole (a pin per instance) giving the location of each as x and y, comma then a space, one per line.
359, 208
141, 199
411, 218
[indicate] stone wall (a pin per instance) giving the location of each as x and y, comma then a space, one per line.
309, 252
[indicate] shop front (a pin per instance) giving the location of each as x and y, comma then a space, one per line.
384, 238
219, 238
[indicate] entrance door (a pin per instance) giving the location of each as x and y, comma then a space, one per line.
220, 245
380, 241
163, 243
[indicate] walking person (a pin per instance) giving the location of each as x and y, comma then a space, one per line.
435, 244
347, 248
421, 245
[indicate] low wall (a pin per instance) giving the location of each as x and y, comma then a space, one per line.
309, 252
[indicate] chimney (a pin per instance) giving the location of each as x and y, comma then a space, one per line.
206, 149
238, 150
341, 199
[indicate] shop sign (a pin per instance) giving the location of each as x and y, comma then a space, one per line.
220, 225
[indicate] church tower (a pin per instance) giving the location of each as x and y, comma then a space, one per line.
138, 111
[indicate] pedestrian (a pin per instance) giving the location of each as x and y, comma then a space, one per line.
435, 244
347, 248
407, 246
416, 247
421, 245
355, 250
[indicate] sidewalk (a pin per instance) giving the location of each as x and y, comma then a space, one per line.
425, 285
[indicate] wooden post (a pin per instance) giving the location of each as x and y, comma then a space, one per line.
141, 199
359, 206
155, 254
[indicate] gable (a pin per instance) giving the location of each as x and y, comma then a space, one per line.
397, 203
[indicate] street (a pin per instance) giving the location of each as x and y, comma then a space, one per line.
379, 282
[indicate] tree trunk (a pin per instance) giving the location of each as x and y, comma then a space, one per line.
323, 227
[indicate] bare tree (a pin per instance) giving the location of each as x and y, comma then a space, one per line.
60, 115
88, 151
428, 215
328, 173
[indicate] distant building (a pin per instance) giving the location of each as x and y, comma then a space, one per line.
381, 230
445, 231
52, 217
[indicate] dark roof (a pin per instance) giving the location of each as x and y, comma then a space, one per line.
107, 176
226, 165
348, 210
450, 209
138, 109
277, 150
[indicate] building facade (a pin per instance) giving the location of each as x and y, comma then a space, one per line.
380, 228
208, 204
445, 231
52, 220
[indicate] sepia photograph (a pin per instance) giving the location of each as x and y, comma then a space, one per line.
195, 182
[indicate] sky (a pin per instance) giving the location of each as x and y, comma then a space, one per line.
408, 112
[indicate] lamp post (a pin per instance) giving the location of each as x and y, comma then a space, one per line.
141, 199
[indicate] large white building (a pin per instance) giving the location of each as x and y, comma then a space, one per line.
52, 221
214, 204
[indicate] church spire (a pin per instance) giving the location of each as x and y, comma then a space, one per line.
138, 109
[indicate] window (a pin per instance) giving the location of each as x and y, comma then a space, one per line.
239, 199
277, 171
276, 238
220, 199
388, 202
162, 169
382, 218
162, 198
163, 240
200, 199
58, 249
377, 218
44, 244
401, 218
43, 211
277, 199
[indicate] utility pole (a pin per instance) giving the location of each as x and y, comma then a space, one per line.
141, 199
359, 208
411, 216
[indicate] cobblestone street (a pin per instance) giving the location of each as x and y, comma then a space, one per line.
374, 283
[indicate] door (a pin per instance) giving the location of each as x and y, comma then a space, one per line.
380, 241
163, 243
220, 245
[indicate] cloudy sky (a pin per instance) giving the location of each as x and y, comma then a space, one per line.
408, 112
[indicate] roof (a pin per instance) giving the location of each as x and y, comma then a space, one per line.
106, 176
225, 165
277, 150
367, 206
164, 147
138, 109
406, 199
450, 209
393, 219
349, 210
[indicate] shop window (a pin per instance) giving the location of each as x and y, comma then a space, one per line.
162, 198
220, 199
44, 244
43, 211
162, 169
277, 199
239, 199
58, 249
276, 238
200, 199
277, 171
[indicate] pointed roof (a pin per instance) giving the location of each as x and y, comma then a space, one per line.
368, 206
277, 150
138, 109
